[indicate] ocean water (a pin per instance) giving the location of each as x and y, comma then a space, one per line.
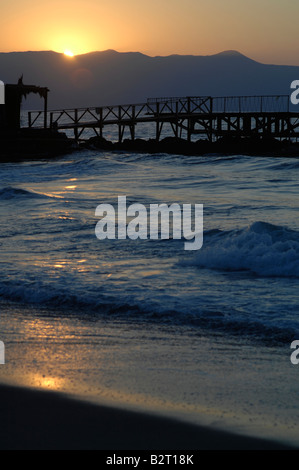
204, 333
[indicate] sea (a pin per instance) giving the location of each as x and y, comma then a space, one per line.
202, 335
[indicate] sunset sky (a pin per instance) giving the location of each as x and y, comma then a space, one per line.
265, 30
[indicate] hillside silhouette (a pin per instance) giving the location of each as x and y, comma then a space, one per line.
110, 77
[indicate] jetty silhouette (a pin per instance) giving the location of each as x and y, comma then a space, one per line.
229, 124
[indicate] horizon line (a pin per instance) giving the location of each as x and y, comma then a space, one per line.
223, 52
232, 52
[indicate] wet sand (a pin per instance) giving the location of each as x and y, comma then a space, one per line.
37, 420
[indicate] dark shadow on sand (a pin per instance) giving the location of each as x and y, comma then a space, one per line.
35, 420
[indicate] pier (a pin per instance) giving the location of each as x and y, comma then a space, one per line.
188, 118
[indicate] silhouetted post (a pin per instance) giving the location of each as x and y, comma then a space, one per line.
157, 122
277, 127
45, 109
219, 125
119, 125
189, 130
101, 122
76, 124
246, 125
132, 126
189, 119
176, 119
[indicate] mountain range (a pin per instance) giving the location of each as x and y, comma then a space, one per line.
111, 77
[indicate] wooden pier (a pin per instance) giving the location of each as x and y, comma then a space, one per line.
206, 117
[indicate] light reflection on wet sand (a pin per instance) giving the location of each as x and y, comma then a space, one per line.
201, 379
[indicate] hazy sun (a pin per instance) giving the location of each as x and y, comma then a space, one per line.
68, 53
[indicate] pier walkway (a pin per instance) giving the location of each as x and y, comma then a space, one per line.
203, 116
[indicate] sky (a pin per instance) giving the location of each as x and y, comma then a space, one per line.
264, 30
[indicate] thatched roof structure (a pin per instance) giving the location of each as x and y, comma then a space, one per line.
14, 93
23, 90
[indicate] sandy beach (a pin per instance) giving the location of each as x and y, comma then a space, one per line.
35, 420
113, 397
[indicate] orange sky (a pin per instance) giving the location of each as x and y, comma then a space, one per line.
265, 30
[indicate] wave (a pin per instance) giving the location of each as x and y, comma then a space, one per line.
262, 248
62, 302
9, 192
285, 165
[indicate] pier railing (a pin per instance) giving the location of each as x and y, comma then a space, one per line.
251, 104
224, 104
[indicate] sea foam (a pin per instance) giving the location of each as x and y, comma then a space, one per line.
261, 248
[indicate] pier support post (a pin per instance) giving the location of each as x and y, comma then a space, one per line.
132, 131
132, 125
100, 121
45, 109
76, 125
157, 122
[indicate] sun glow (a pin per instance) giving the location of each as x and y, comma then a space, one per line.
68, 53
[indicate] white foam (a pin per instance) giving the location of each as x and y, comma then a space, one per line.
262, 248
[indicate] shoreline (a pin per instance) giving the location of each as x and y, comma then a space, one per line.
42, 420
44, 380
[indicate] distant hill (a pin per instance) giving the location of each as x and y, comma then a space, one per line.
110, 77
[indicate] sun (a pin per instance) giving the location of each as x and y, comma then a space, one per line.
68, 53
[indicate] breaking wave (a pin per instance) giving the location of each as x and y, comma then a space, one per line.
261, 248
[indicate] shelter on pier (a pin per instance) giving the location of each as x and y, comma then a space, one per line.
18, 141
14, 93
